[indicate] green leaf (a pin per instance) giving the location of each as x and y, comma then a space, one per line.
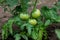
24, 4
17, 37
40, 35
34, 35
23, 26
4, 31
45, 35
10, 22
17, 21
58, 19
36, 28
29, 28
44, 11
12, 3
57, 31
48, 22
40, 23
25, 37
7, 28
49, 13
53, 14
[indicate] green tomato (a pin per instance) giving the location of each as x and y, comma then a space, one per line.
36, 13
24, 16
33, 21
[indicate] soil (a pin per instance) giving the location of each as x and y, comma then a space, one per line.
4, 16
51, 31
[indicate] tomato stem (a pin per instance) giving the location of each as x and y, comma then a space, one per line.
34, 6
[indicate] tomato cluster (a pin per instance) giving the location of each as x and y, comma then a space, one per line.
35, 15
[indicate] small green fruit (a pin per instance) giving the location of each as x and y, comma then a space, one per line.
24, 16
32, 21
36, 13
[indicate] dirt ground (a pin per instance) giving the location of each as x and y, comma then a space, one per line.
4, 16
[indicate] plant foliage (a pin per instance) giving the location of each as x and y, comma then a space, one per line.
26, 28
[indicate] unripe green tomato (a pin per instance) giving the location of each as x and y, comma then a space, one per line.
36, 13
24, 16
33, 21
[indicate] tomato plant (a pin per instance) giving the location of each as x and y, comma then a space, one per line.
30, 25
